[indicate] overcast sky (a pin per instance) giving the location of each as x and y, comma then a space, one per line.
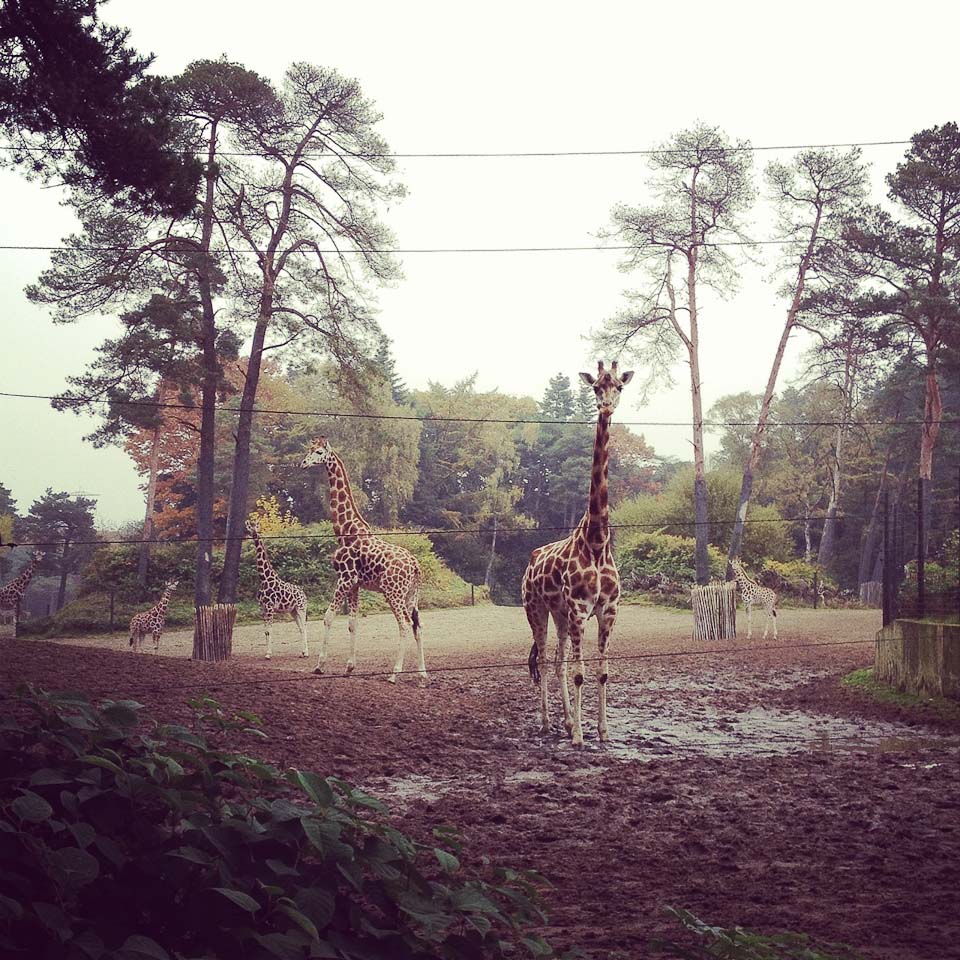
500, 77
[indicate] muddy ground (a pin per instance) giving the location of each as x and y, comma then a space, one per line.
743, 783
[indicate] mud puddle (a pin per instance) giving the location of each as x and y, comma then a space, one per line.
684, 730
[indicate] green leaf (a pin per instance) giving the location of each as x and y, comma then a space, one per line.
45, 777
300, 919
281, 945
83, 833
101, 762
53, 918
31, 807
318, 903
282, 809
281, 869
192, 854
9, 908
75, 867
315, 786
140, 946
242, 900
449, 862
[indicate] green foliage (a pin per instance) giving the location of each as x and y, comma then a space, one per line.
795, 578
662, 555
122, 844
864, 684
737, 943
671, 511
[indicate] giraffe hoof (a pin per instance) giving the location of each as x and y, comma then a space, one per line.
392, 678
350, 668
423, 679
304, 654
318, 671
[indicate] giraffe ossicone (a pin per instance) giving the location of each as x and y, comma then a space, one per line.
574, 579
277, 595
752, 593
152, 621
365, 561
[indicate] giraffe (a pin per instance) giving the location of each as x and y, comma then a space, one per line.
752, 593
13, 592
152, 621
363, 560
276, 595
574, 579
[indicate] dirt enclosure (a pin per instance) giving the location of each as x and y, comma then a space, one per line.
743, 783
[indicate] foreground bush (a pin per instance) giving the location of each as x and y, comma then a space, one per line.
126, 845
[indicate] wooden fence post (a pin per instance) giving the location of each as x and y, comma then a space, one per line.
213, 631
714, 611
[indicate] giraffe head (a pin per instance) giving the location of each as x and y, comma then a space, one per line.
170, 586
320, 452
252, 527
736, 565
38, 555
607, 386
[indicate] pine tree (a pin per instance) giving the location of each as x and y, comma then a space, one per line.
387, 366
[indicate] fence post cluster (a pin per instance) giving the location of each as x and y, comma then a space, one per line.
714, 611
213, 631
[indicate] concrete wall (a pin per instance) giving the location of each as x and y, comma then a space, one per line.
919, 657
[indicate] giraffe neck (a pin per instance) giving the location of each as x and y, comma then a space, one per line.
21, 582
164, 600
346, 517
264, 567
596, 521
743, 579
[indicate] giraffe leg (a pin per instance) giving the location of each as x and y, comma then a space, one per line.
576, 655
404, 622
772, 618
339, 595
267, 623
353, 607
300, 615
156, 640
606, 618
563, 634
538, 618
414, 609
749, 607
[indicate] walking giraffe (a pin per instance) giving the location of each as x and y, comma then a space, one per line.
363, 560
12, 593
152, 621
752, 593
276, 595
575, 579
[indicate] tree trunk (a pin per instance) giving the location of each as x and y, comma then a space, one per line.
700, 508
756, 445
206, 464
64, 571
143, 563
488, 578
241, 463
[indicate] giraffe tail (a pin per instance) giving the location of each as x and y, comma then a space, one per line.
415, 616
534, 663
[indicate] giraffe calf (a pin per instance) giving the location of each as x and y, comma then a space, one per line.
152, 621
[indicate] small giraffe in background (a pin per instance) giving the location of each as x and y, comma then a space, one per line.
13, 592
752, 593
364, 560
276, 595
152, 621
575, 579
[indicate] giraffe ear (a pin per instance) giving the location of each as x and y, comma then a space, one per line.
587, 379
627, 377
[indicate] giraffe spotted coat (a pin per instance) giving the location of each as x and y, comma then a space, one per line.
752, 593
12, 593
276, 595
363, 561
574, 579
152, 621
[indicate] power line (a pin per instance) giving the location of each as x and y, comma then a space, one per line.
508, 154
364, 251
505, 665
331, 414
452, 532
